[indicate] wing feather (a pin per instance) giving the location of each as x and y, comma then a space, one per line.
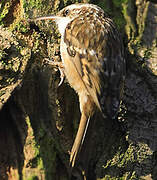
98, 58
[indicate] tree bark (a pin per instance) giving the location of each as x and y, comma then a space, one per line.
39, 120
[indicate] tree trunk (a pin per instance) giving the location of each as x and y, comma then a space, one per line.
39, 120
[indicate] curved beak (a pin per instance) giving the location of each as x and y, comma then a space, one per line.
60, 21
51, 17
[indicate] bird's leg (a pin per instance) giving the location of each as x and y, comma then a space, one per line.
58, 65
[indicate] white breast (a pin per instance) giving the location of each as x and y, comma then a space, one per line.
62, 23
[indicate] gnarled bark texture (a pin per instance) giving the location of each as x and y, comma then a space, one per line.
39, 120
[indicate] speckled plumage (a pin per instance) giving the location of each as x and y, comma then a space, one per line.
93, 47
93, 59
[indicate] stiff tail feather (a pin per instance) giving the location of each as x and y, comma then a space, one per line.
83, 126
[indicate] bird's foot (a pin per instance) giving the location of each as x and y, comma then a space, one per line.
59, 66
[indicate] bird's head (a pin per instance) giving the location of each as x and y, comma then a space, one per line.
67, 14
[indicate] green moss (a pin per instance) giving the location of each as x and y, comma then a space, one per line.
2, 56
34, 177
118, 3
44, 152
48, 154
10, 13
4, 9
129, 12
36, 162
119, 20
33, 8
127, 162
22, 26
115, 11
108, 177
141, 22
32, 4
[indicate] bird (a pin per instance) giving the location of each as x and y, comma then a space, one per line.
93, 61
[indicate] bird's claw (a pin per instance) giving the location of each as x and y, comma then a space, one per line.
58, 65
62, 76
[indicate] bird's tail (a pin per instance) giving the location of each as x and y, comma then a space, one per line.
83, 126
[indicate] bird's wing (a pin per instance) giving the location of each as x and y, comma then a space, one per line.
96, 51
95, 54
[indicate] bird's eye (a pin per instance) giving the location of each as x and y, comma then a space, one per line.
66, 12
